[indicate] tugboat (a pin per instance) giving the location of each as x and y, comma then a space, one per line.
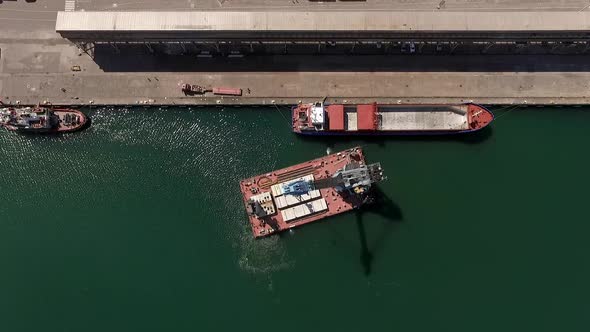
41, 120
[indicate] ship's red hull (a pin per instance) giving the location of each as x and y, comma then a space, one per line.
321, 168
375, 119
62, 127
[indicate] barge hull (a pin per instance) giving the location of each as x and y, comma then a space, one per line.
287, 211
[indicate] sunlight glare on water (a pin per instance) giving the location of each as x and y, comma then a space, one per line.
137, 223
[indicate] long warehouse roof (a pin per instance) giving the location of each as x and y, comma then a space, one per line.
322, 21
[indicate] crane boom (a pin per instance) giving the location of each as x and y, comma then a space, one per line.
353, 177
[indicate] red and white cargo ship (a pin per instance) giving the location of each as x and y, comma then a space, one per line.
376, 119
307, 192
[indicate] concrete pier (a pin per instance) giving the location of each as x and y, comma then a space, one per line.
290, 88
36, 66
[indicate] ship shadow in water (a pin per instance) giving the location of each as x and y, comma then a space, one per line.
380, 140
383, 206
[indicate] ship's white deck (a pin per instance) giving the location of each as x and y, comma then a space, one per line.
351, 120
425, 118
404, 118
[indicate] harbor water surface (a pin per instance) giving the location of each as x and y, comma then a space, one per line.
137, 224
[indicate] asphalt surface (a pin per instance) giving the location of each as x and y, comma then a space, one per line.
22, 16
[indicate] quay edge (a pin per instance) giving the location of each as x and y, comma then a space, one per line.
288, 102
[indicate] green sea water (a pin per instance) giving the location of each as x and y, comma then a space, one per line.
137, 224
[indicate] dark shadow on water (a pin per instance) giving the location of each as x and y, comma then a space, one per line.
88, 123
383, 206
380, 205
466, 138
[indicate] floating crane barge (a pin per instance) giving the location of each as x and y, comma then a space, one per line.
307, 192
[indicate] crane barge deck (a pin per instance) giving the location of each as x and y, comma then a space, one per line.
307, 192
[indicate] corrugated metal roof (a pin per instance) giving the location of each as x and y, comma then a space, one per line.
322, 21
284, 201
303, 210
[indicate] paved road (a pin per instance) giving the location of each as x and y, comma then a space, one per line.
291, 87
22, 16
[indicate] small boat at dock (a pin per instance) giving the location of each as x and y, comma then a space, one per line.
41, 120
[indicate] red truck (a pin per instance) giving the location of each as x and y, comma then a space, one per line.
192, 89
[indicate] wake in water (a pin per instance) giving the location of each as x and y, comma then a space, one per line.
263, 256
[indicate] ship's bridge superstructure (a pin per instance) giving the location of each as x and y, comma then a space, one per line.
317, 115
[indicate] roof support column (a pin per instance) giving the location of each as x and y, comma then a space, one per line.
487, 47
87, 48
115, 47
